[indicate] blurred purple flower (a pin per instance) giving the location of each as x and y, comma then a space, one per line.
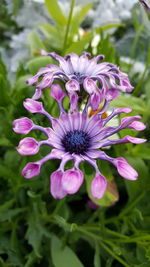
96, 78
146, 5
77, 137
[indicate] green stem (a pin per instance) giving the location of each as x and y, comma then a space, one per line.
68, 24
126, 210
109, 251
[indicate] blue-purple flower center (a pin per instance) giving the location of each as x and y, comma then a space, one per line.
76, 142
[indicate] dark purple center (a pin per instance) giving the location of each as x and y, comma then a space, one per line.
76, 142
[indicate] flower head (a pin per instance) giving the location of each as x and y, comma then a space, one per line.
77, 137
92, 75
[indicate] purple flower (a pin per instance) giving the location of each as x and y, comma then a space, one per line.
75, 136
96, 78
146, 5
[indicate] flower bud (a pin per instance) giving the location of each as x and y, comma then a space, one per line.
28, 146
31, 169
23, 125
33, 106
98, 186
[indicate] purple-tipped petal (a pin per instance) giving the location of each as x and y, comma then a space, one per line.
31, 169
37, 94
28, 146
32, 80
72, 180
95, 100
89, 86
56, 185
111, 94
33, 106
98, 186
145, 5
57, 93
137, 125
123, 110
23, 125
135, 140
125, 170
72, 86
73, 101
126, 139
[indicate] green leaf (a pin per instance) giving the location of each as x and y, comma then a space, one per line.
63, 256
141, 151
35, 64
48, 30
4, 96
5, 142
35, 43
108, 27
137, 104
56, 12
16, 6
78, 18
97, 262
54, 35
78, 47
135, 188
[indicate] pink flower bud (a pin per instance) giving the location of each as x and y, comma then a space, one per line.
31, 169
57, 93
33, 106
28, 146
56, 185
23, 125
125, 170
72, 85
98, 186
72, 180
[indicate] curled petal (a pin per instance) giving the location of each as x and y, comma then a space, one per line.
23, 125
33, 106
137, 125
125, 170
57, 93
73, 101
37, 94
95, 100
72, 86
98, 186
32, 80
72, 180
31, 169
28, 146
56, 185
145, 5
89, 86
111, 94
122, 110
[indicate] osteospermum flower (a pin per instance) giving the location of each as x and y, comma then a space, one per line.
77, 137
82, 72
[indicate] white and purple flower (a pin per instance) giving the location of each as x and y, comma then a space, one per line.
75, 136
81, 72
